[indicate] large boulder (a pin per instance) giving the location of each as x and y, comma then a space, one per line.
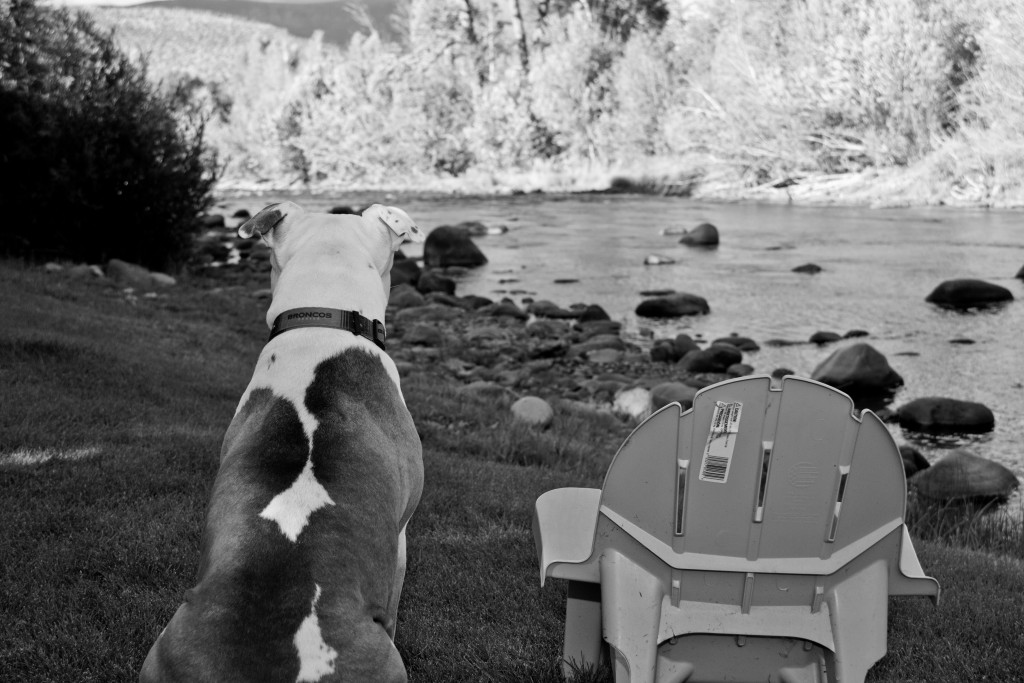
967, 293
939, 415
860, 370
673, 306
449, 245
704, 235
672, 392
965, 477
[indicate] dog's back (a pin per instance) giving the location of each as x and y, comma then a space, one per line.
297, 537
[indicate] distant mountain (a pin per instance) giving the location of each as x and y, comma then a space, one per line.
299, 18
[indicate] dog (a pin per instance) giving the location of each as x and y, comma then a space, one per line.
303, 552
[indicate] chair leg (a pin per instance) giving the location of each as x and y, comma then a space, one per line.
858, 607
631, 616
582, 627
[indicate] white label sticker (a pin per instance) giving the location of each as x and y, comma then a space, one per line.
725, 424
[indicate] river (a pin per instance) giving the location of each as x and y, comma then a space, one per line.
878, 267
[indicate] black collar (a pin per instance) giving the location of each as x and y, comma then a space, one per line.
350, 321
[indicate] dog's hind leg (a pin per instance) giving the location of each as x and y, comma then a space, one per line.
370, 656
396, 589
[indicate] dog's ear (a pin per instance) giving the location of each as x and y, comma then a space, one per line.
402, 227
267, 219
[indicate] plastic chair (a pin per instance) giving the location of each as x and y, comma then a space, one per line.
754, 537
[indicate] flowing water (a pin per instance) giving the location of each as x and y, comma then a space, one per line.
878, 267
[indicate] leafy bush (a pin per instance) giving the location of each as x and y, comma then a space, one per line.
98, 162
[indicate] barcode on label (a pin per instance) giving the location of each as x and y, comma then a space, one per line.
714, 468
725, 424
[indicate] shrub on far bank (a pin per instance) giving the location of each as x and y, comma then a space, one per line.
98, 163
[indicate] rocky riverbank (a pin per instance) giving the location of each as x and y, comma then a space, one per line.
572, 356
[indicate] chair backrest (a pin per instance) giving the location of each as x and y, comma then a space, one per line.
758, 478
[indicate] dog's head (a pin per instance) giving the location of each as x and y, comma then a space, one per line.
290, 230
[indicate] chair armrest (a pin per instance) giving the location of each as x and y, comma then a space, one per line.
564, 522
911, 579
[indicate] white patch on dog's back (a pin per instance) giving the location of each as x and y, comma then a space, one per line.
316, 658
289, 375
291, 508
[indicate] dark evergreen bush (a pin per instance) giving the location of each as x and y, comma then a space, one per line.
95, 162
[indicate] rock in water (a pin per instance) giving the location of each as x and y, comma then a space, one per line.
704, 235
673, 306
859, 370
938, 415
963, 476
963, 294
822, 337
451, 246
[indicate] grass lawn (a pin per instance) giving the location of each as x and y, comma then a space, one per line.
111, 417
